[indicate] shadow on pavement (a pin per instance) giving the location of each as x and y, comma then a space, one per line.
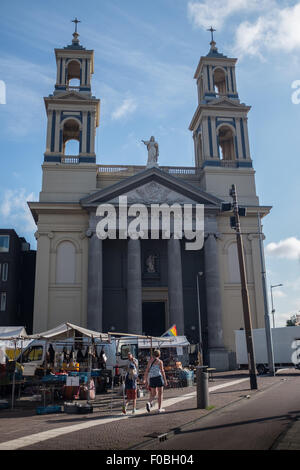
288, 416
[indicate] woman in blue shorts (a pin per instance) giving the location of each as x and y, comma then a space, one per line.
156, 378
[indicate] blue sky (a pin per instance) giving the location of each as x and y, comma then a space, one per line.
145, 57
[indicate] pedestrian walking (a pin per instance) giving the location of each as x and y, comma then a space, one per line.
130, 389
156, 378
132, 360
102, 359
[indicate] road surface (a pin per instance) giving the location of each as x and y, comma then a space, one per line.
251, 424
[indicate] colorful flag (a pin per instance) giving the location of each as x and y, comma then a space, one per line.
171, 331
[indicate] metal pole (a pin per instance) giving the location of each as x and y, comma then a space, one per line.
45, 372
21, 363
266, 306
199, 321
202, 388
245, 295
273, 310
14, 378
89, 369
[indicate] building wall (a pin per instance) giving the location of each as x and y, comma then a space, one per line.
19, 286
57, 301
11, 287
231, 288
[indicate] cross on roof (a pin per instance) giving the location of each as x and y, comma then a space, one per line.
76, 21
212, 30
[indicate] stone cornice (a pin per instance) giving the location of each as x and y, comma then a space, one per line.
204, 60
37, 208
212, 108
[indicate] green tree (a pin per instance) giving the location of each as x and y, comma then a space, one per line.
291, 321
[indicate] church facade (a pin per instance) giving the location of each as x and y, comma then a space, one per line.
146, 285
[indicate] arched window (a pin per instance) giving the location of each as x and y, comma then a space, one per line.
71, 147
71, 132
65, 263
226, 143
220, 81
233, 264
74, 84
73, 74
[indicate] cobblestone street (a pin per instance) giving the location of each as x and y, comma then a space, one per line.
108, 429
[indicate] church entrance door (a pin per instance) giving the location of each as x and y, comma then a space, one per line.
154, 323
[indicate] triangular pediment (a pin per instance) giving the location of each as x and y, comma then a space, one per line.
154, 192
152, 186
221, 102
71, 95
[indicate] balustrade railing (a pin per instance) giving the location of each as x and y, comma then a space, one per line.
132, 169
71, 159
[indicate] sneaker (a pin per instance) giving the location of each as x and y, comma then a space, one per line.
124, 410
161, 410
148, 406
133, 411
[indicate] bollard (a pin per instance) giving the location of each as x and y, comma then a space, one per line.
202, 388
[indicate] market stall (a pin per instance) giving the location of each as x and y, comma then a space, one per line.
69, 360
12, 341
175, 356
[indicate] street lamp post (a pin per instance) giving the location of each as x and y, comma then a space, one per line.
273, 309
235, 223
199, 321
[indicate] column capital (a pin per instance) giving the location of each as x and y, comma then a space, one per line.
217, 235
39, 234
83, 235
89, 233
254, 236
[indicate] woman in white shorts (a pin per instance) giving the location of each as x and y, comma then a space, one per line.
156, 378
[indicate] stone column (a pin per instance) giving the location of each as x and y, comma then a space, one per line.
134, 287
175, 292
218, 356
95, 280
257, 317
41, 321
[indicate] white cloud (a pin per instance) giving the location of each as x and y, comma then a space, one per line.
215, 12
276, 30
127, 107
15, 211
288, 248
262, 25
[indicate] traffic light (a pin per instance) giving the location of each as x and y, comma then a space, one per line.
226, 206
233, 222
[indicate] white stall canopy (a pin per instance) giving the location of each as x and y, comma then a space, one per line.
165, 342
12, 332
68, 330
13, 337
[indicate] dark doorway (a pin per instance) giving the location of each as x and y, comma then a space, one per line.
154, 318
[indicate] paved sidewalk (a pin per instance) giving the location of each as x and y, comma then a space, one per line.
112, 431
290, 440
